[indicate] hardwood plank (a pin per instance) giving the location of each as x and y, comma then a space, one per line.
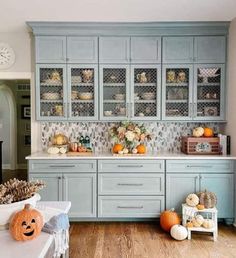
145, 240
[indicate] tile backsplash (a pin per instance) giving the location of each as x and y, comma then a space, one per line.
166, 136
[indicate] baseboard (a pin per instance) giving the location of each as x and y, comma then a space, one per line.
21, 166
6, 166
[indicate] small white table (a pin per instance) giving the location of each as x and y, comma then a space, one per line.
188, 211
36, 248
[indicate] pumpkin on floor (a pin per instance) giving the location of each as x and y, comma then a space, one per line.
192, 200
208, 199
179, 232
168, 219
26, 224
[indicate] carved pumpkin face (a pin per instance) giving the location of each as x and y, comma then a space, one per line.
26, 224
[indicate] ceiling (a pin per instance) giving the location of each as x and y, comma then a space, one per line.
14, 13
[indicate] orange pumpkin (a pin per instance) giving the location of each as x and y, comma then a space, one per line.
208, 132
141, 149
168, 219
200, 207
117, 147
26, 224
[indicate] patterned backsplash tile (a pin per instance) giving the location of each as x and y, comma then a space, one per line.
166, 136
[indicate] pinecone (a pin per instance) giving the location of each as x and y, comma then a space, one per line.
16, 190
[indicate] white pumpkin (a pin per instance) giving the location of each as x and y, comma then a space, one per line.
62, 150
198, 221
53, 150
208, 223
179, 232
120, 152
198, 131
192, 200
125, 151
134, 151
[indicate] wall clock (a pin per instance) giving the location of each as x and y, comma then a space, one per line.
7, 56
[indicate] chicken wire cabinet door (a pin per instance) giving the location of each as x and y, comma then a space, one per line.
82, 50
209, 89
114, 50
177, 49
114, 92
50, 49
210, 49
145, 92
51, 92
177, 86
83, 92
145, 50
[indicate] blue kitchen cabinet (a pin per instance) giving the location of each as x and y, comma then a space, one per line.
82, 50
177, 50
80, 190
210, 49
223, 186
53, 189
114, 50
50, 49
145, 50
178, 186
51, 92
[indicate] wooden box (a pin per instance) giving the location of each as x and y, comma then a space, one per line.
200, 145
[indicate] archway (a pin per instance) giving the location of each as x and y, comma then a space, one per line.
7, 93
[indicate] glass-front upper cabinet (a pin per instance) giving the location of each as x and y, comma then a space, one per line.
145, 92
114, 92
177, 92
82, 92
51, 92
209, 92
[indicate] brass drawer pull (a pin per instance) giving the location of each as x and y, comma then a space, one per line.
130, 207
121, 184
62, 166
130, 166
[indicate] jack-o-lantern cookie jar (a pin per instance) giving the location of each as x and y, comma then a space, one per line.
26, 224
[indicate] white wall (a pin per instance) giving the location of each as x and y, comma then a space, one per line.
231, 101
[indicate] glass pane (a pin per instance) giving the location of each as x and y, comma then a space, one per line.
177, 92
82, 92
145, 92
114, 92
51, 92
208, 91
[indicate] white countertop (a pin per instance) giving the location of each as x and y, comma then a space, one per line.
36, 248
45, 155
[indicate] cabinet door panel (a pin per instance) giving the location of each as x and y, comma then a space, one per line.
53, 189
178, 186
223, 186
210, 49
177, 50
50, 49
82, 50
145, 50
80, 190
114, 50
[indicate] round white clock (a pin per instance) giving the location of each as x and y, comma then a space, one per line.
7, 56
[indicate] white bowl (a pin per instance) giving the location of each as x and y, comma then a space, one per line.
85, 95
208, 72
7, 210
148, 95
108, 113
50, 96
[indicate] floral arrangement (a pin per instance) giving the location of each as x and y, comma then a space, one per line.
129, 136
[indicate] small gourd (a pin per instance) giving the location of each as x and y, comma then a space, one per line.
53, 150
199, 220
26, 224
208, 223
192, 200
125, 151
200, 207
179, 232
189, 224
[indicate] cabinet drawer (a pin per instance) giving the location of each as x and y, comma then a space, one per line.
131, 184
60, 166
126, 206
132, 165
199, 166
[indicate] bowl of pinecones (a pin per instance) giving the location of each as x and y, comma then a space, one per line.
14, 194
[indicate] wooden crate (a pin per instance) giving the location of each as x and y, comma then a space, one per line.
200, 145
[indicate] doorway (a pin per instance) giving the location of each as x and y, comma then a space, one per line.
15, 127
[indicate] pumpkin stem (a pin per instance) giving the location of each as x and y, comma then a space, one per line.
172, 209
27, 206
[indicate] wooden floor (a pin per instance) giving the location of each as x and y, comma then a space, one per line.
145, 240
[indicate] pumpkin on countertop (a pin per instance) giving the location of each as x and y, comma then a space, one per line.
192, 200
26, 224
168, 219
179, 232
208, 132
117, 147
198, 131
